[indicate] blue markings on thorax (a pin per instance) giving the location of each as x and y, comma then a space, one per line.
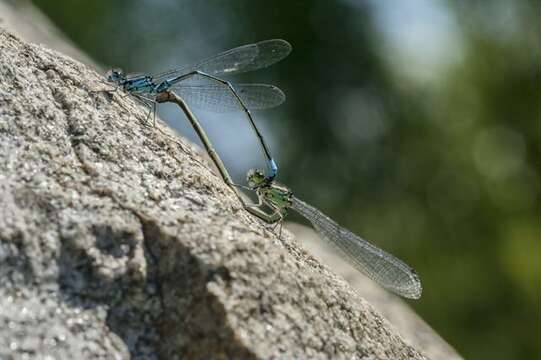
145, 84
141, 84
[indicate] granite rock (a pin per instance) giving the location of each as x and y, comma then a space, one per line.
117, 240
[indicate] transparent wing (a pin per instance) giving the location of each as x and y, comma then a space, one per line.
380, 266
218, 98
238, 60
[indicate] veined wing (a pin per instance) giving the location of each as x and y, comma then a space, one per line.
380, 266
218, 98
235, 61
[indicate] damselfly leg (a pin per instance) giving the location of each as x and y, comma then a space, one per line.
148, 103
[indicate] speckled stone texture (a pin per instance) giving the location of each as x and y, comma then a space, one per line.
117, 241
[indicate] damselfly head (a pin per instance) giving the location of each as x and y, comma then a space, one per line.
115, 75
255, 178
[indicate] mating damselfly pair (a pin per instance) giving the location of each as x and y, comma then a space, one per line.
178, 85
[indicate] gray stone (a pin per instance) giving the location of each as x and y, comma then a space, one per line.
117, 240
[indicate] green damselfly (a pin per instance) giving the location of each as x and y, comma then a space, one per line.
380, 266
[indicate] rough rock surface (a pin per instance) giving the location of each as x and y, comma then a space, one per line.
116, 240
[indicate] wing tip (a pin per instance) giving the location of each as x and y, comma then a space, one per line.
414, 289
280, 42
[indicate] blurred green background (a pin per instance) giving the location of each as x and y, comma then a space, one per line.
416, 124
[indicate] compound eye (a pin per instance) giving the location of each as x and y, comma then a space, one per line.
255, 177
